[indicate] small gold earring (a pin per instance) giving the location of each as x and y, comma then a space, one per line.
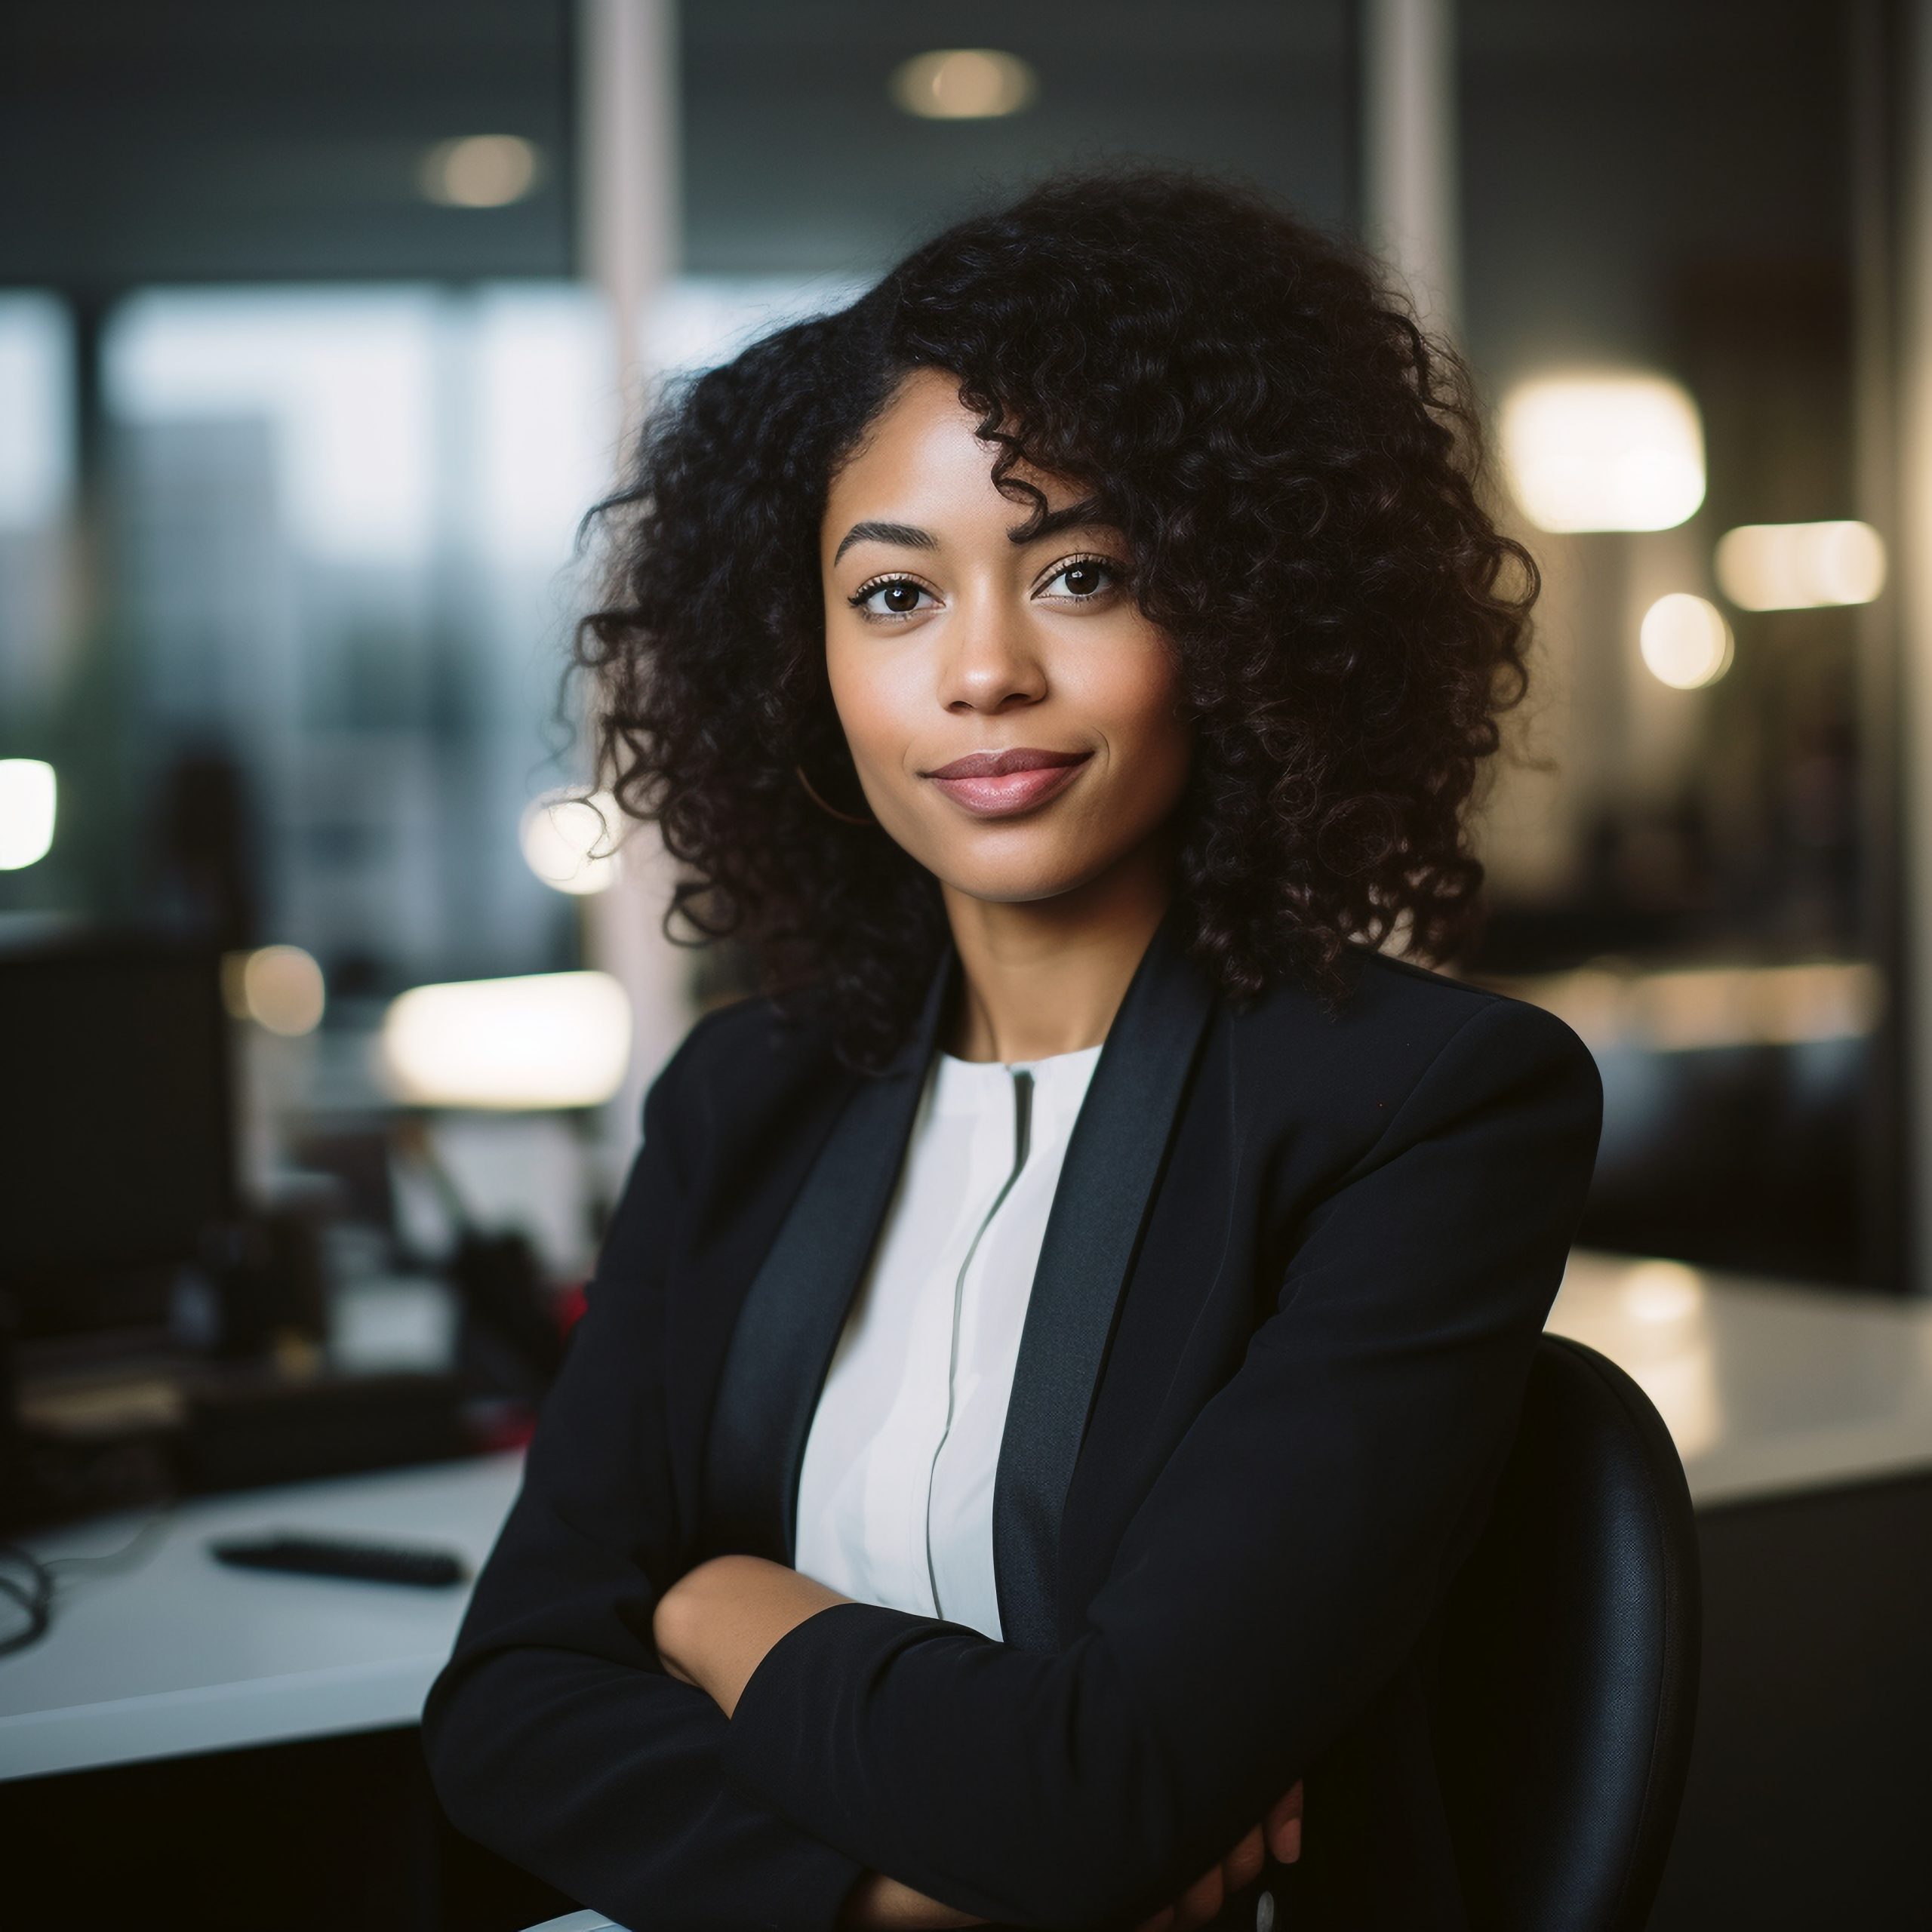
845, 818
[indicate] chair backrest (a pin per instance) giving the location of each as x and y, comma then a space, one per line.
1568, 1663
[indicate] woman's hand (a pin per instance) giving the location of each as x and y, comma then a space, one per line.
879, 1904
713, 1626
712, 1629
1279, 1832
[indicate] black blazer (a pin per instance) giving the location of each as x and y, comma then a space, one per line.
1288, 1293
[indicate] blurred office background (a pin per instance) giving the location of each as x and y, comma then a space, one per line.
314, 335
315, 329
319, 329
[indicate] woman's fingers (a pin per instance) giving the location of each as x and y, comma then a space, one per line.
1244, 1863
879, 1904
1284, 1825
1199, 1902
1280, 1831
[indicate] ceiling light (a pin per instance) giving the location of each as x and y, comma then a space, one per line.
1610, 451
479, 171
1685, 641
963, 83
1800, 566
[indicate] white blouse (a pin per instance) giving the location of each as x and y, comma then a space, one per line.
896, 1492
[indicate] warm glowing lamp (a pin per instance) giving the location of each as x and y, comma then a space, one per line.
1800, 566
1612, 450
548, 1040
27, 793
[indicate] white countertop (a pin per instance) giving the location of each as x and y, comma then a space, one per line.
1768, 1388
182, 1653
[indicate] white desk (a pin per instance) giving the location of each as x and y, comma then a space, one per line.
185, 1654
1768, 1390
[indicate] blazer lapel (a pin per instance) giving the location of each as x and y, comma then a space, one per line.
1107, 1184
788, 1324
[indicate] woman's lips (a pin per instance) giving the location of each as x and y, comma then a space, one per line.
998, 784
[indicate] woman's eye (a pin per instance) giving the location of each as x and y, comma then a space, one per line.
898, 597
1085, 576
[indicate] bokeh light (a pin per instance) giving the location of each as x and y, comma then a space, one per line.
963, 83
1800, 566
27, 798
279, 987
480, 171
1609, 451
1685, 641
544, 1039
1660, 1292
569, 841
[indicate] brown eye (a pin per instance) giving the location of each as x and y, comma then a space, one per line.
897, 597
1085, 577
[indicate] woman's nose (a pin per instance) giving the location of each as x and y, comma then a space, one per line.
991, 663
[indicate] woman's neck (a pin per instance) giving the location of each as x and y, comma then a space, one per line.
1044, 976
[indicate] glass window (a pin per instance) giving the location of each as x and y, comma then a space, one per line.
36, 486
341, 521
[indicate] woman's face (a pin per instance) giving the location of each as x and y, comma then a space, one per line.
1012, 715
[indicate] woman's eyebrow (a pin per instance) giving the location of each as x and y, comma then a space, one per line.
908, 536
1084, 515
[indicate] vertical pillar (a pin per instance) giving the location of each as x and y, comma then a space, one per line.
628, 168
1409, 170
627, 81
1885, 1177
1912, 568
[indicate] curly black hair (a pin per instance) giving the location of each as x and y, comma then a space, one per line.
1296, 467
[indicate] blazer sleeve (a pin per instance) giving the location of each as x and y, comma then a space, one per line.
553, 1734
1276, 1576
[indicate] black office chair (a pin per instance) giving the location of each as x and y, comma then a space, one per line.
1569, 1661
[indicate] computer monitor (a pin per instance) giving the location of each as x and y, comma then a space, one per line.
117, 1155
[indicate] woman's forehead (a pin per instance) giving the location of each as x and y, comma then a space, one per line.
922, 463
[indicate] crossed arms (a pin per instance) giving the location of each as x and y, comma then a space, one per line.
1277, 1573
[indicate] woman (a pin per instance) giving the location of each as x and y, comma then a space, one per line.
1053, 1353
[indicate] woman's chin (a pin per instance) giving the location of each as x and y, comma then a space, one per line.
1022, 880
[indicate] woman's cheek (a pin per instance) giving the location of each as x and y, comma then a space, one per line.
878, 733
1136, 704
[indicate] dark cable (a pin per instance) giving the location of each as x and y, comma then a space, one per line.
122, 1556
36, 1594
35, 1597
